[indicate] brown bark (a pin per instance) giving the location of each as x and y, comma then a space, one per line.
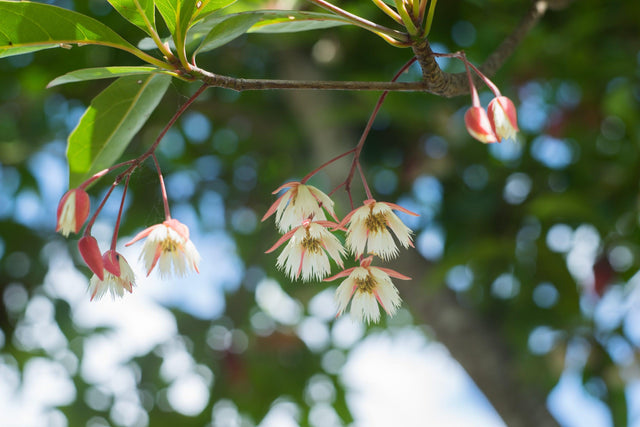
477, 346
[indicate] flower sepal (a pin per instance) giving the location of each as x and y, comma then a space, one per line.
72, 212
90, 251
479, 126
503, 117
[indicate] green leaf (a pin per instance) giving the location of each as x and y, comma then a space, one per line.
177, 15
282, 21
207, 7
102, 73
218, 30
141, 13
27, 27
110, 122
227, 29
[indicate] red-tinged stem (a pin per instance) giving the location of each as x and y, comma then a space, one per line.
175, 117
364, 182
103, 172
165, 200
324, 165
335, 189
365, 133
117, 227
87, 230
134, 163
484, 78
475, 99
461, 56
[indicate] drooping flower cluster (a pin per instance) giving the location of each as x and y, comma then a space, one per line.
311, 243
167, 245
496, 123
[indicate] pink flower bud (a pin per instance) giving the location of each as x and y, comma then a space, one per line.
73, 211
88, 247
502, 116
479, 126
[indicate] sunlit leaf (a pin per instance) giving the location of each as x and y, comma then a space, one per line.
141, 13
206, 7
101, 73
27, 27
218, 30
177, 15
110, 122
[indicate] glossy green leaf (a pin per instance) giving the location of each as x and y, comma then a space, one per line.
227, 29
218, 30
141, 13
27, 27
102, 73
207, 7
282, 21
177, 15
110, 122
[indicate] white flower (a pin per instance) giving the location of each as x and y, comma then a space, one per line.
168, 243
298, 203
366, 287
118, 277
369, 229
306, 252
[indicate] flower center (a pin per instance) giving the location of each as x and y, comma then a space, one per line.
367, 284
169, 245
311, 244
375, 223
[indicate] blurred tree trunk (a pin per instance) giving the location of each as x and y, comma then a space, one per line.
476, 346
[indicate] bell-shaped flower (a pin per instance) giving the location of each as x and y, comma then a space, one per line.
308, 250
368, 229
73, 211
168, 244
503, 117
479, 126
118, 277
298, 203
366, 287
88, 247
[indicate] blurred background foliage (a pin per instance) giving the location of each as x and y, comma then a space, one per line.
538, 239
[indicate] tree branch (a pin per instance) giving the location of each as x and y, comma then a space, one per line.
240, 84
434, 80
454, 84
478, 347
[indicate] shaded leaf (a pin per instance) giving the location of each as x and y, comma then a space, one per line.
27, 27
101, 73
110, 122
227, 29
141, 13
